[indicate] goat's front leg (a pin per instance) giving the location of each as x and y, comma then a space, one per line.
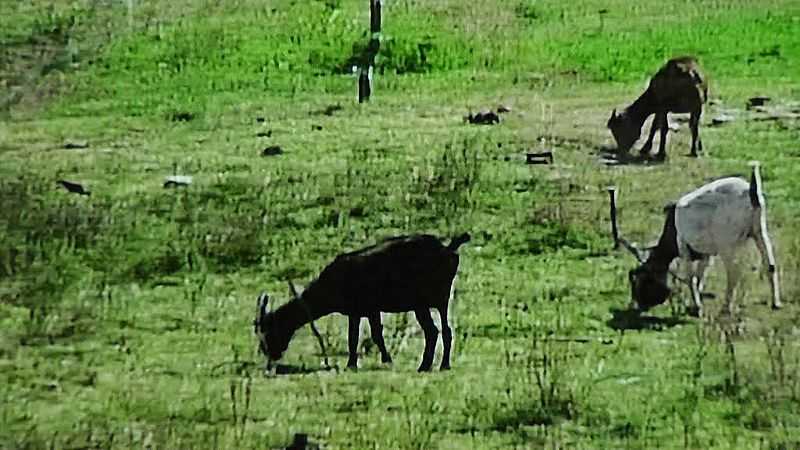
447, 338
662, 143
694, 126
376, 329
732, 274
696, 274
764, 245
648, 145
431, 336
353, 326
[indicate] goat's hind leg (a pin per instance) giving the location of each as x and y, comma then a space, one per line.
648, 145
696, 272
431, 336
694, 126
662, 142
764, 245
376, 329
447, 338
353, 326
732, 274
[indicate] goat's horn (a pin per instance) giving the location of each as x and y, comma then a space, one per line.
633, 249
293, 290
612, 197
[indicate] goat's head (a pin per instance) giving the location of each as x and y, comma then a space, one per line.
272, 342
648, 287
648, 283
624, 130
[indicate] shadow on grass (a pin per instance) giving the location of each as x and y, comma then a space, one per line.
611, 156
626, 319
241, 368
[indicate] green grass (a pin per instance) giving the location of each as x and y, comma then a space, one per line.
125, 317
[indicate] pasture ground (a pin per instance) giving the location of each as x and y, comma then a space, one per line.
125, 317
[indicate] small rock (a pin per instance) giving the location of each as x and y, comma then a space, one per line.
316, 127
75, 188
757, 101
721, 119
272, 150
260, 119
266, 134
182, 116
75, 144
483, 118
177, 180
539, 158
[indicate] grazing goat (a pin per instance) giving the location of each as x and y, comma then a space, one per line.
715, 219
406, 273
678, 87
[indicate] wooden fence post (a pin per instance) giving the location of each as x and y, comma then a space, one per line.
368, 58
612, 194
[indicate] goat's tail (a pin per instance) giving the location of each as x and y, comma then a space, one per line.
756, 191
458, 241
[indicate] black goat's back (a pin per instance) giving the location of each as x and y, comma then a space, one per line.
399, 274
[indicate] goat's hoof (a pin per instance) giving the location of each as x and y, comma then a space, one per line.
424, 368
776, 306
387, 360
444, 367
694, 311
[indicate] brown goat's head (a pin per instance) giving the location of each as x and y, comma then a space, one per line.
648, 288
624, 130
272, 342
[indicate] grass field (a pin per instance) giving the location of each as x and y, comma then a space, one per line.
125, 316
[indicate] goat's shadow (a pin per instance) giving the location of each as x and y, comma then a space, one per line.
612, 156
248, 367
627, 319
292, 369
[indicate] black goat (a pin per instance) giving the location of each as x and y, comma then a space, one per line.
678, 87
405, 273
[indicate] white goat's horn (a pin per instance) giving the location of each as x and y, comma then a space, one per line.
293, 290
633, 249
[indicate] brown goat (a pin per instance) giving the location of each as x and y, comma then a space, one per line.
405, 273
678, 87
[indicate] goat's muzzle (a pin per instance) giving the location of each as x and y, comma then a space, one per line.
648, 289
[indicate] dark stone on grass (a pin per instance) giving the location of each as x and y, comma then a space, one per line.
483, 118
70, 144
181, 116
757, 101
503, 109
177, 181
75, 188
300, 442
721, 120
266, 134
316, 127
539, 158
357, 211
272, 150
328, 110
260, 119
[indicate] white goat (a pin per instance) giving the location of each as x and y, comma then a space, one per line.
715, 219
